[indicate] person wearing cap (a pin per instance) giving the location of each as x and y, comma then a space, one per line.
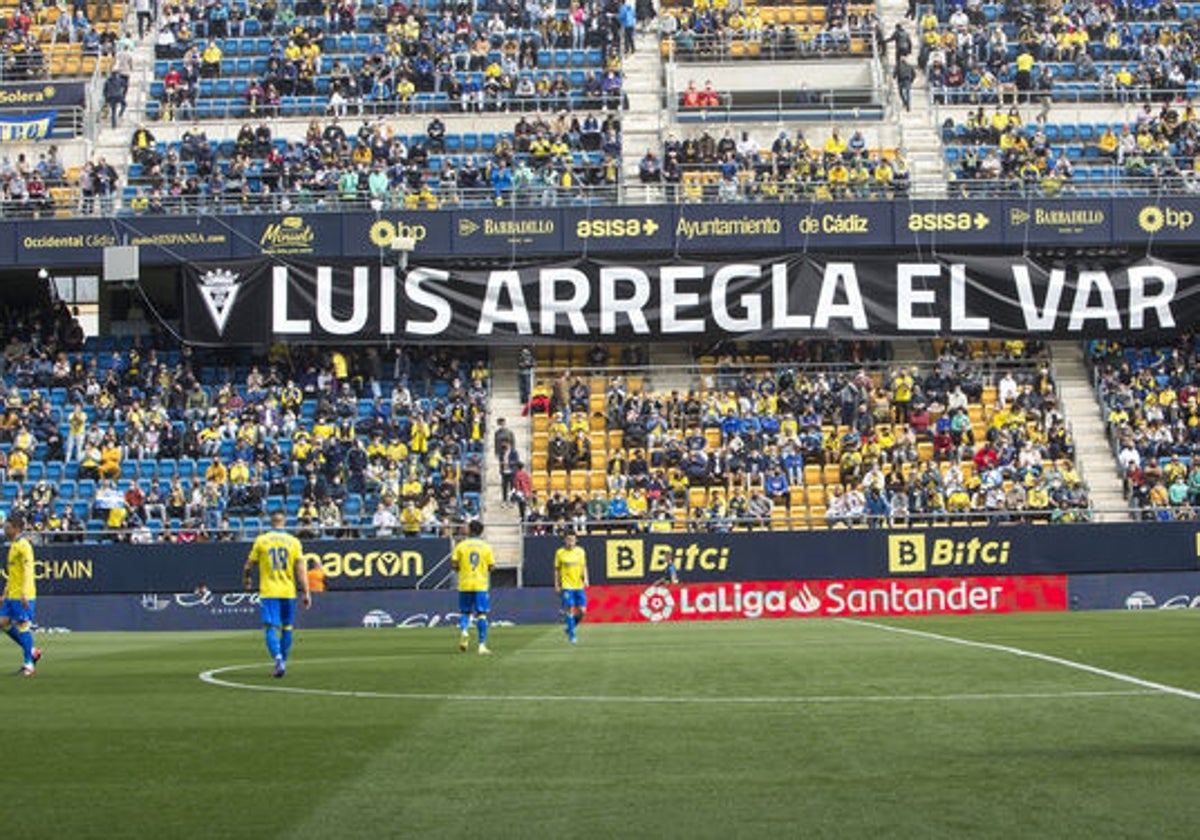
20, 593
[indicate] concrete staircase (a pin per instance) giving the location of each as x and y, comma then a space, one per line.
1093, 454
502, 524
907, 351
641, 124
671, 368
919, 133
112, 144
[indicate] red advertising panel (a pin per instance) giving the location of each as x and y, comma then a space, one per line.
827, 598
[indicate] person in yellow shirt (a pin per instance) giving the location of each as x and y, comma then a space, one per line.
835, 146
239, 473
210, 60
884, 175
20, 593
216, 473
279, 558
110, 459
410, 519
77, 423
839, 178
473, 560
570, 582
18, 465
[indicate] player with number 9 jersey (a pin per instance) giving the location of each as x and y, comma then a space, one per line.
473, 560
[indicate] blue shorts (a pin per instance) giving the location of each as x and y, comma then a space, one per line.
279, 612
473, 603
15, 611
573, 598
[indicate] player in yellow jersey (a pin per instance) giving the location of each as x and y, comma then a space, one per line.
473, 561
280, 562
570, 582
20, 594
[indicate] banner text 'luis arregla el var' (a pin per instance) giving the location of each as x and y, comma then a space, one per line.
585, 300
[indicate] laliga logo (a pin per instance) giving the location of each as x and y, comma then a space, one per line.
656, 603
1152, 218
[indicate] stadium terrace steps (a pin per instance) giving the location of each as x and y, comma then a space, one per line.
641, 125
503, 526
673, 366
1093, 453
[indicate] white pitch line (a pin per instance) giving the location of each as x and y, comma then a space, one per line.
211, 677
1029, 654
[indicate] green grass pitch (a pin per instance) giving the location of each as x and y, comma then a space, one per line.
802, 728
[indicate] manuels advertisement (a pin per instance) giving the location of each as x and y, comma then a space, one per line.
801, 295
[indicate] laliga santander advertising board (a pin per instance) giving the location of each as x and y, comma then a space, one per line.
827, 598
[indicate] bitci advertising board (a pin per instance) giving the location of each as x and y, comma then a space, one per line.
827, 598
